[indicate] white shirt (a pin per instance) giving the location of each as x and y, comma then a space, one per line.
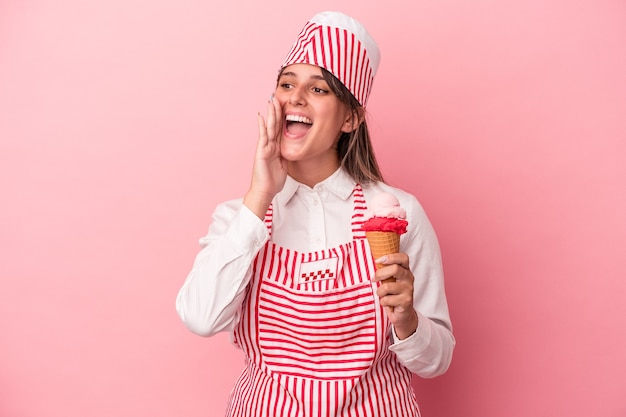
308, 219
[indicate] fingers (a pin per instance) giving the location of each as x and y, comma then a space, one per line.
396, 283
274, 119
401, 259
262, 131
396, 297
279, 116
269, 131
271, 120
396, 266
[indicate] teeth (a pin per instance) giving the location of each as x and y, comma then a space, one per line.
299, 119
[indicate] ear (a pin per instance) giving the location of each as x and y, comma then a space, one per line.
353, 120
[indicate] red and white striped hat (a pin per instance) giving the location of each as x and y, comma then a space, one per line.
341, 45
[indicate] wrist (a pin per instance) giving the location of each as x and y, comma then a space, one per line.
407, 328
258, 202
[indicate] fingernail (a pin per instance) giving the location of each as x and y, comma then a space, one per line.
381, 260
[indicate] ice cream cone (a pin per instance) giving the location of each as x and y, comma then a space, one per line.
381, 244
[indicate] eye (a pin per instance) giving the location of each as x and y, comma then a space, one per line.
318, 90
286, 86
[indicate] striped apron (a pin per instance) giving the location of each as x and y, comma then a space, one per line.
315, 337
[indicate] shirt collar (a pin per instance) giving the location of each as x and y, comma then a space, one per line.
339, 183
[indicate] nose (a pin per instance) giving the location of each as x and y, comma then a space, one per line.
296, 97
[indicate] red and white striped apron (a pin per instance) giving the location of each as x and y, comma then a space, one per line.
315, 337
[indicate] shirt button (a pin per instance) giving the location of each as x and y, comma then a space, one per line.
315, 202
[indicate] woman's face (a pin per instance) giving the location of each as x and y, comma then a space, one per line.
313, 117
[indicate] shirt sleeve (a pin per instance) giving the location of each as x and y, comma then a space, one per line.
428, 351
210, 298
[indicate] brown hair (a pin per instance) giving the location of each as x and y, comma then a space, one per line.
354, 149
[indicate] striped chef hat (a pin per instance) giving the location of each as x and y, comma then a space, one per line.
342, 46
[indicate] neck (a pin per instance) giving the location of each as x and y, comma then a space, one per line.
311, 174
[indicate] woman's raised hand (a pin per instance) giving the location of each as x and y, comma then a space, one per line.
269, 172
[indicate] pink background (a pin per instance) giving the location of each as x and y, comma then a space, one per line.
124, 122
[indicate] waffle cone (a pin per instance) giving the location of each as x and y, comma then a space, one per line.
383, 243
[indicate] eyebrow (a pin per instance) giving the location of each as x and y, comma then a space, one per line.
293, 74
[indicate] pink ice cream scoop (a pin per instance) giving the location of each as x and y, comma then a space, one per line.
385, 205
385, 215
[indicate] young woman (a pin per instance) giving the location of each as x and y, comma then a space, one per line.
287, 269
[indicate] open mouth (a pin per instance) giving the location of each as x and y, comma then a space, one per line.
297, 125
